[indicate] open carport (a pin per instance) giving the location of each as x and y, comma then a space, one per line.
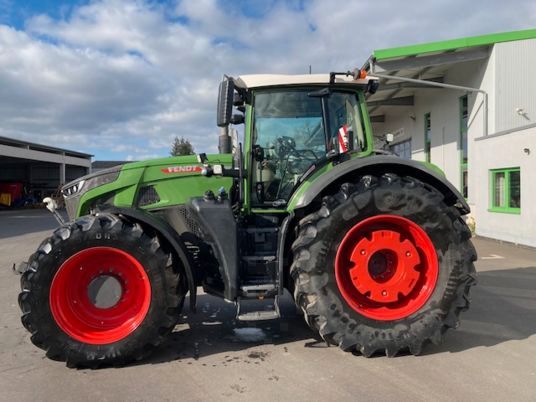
34, 170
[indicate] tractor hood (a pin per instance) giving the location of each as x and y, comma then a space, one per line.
120, 185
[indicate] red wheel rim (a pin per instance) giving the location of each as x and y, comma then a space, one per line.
78, 316
386, 267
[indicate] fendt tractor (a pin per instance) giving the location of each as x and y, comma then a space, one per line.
373, 248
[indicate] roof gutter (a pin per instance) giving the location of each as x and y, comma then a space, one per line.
436, 84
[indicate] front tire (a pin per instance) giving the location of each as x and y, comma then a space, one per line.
383, 266
62, 292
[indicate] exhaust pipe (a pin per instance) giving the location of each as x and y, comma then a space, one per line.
224, 141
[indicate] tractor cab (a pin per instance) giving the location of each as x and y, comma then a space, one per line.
295, 125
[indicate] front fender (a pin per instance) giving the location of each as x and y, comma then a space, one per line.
378, 164
165, 231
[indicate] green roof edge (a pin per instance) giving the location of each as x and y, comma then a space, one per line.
480, 40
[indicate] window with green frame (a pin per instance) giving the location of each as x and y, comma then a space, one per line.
427, 137
505, 188
464, 116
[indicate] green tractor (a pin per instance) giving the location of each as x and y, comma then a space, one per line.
373, 248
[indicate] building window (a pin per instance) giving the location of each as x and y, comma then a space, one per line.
464, 117
402, 149
427, 137
505, 190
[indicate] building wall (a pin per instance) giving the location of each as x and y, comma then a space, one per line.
443, 106
506, 151
515, 66
510, 69
443, 109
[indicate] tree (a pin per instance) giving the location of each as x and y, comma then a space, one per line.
181, 147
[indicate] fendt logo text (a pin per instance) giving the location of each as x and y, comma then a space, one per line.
182, 169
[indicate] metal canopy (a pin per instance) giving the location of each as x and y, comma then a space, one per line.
12, 142
407, 69
411, 73
438, 59
454, 44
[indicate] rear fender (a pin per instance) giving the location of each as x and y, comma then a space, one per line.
316, 187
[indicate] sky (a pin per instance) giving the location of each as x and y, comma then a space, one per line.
119, 79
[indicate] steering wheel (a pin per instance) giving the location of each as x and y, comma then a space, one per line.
285, 145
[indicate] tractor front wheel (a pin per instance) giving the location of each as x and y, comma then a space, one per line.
100, 291
383, 265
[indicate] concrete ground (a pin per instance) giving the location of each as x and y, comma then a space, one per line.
492, 356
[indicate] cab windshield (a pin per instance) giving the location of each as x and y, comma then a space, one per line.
295, 129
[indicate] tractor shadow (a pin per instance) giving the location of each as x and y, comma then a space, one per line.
213, 329
503, 309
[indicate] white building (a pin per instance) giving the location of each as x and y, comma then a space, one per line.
483, 136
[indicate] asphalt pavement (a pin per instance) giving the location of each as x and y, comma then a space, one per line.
492, 356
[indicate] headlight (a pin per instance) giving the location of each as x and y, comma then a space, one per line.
91, 181
72, 189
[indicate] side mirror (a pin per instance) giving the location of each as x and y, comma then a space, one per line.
389, 138
225, 102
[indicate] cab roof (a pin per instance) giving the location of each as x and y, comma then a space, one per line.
272, 80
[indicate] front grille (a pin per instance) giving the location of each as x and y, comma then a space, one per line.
147, 195
190, 222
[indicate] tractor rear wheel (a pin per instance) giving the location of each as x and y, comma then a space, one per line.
100, 291
383, 266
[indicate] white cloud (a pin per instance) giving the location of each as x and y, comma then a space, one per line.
124, 77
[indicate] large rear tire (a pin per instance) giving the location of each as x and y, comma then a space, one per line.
383, 266
100, 291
